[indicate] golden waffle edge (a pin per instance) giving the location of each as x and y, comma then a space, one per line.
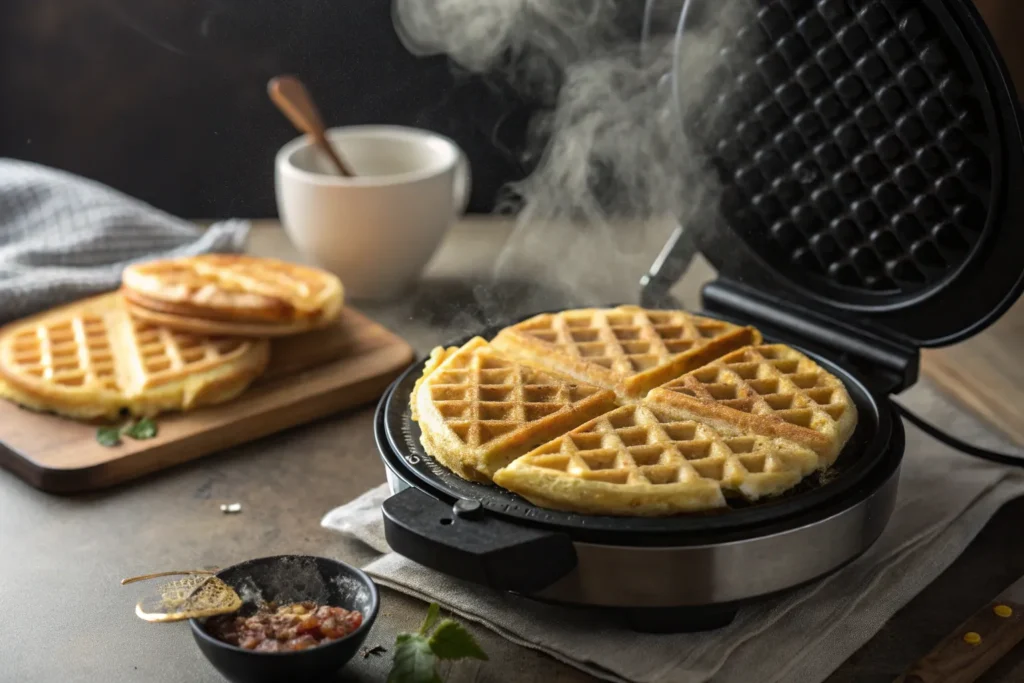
233, 294
225, 328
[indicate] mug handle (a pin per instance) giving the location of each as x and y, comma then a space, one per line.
462, 183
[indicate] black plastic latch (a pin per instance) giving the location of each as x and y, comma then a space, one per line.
888, 365
469, 509
476, 546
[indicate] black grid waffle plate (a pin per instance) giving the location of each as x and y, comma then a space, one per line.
865, 149
399, 442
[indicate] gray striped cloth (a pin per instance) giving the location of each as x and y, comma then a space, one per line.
63, 237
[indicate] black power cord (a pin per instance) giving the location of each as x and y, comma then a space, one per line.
953, 442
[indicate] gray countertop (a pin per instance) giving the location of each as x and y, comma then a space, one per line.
63, 616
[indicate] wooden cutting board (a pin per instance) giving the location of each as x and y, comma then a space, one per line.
309, 376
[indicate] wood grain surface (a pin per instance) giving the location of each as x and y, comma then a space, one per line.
309, 376
985, 373
973, 648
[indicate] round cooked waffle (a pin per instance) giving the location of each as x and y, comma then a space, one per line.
91, 359
231, 294
723, 422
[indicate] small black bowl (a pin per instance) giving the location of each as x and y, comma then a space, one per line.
285, 579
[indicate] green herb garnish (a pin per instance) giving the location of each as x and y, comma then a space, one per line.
418, 654
109, 436
451, 640
415, 662
141, 430
433, 612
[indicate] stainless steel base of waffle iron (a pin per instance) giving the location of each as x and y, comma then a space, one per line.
717, 573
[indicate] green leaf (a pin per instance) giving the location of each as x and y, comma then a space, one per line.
451, 640
109, 436
414, 661
433, 612
141, 430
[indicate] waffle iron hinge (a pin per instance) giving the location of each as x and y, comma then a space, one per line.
668, 268
888, 365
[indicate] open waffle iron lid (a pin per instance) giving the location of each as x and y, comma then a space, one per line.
870, 154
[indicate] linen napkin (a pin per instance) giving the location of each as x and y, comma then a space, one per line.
945, 498
63, 237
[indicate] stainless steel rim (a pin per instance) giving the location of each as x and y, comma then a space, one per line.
685, 576
617, 576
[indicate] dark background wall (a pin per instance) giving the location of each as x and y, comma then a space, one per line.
166, 99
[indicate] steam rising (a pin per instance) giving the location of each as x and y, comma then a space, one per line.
616, 169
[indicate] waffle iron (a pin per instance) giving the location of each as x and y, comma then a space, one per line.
868, 211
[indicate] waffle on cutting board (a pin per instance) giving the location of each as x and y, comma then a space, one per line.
232, 294
632, 412
180, 334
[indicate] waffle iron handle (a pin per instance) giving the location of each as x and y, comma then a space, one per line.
466, 542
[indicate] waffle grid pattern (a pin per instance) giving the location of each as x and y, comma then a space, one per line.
625, 342
482, 396
76, 352
72, 353
633, 445
856, 155
770, 380
167, 356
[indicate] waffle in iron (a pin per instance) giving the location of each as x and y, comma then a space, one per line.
749, 422
232, 294
646, 461
91, 359
479, 410
628, 349
768, 389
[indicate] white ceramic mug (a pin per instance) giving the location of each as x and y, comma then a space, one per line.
376, 231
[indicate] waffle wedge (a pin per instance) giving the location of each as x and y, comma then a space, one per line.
231, 294
91, 359
641, 460
478, 409
627, 349
768, 389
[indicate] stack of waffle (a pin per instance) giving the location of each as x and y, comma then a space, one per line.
629, 411
180, 334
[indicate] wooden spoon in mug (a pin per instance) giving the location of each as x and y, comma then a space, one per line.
294, 101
